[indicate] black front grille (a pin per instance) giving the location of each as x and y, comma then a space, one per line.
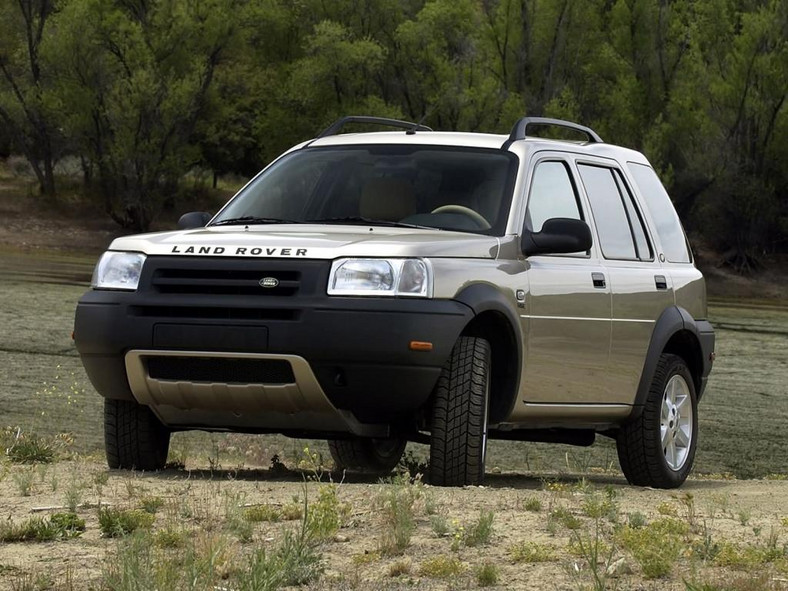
203, 280
221, 370
228, 288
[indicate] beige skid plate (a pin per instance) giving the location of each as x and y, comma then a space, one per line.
183, 403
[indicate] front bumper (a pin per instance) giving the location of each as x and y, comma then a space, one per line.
356, 348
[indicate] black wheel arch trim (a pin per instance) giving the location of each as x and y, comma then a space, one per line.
672, 321
481, 298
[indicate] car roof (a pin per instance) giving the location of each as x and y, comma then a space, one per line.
477, 140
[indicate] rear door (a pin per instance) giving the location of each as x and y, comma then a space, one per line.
640, 287
567, 317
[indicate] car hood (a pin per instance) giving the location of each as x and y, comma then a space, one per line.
311, 241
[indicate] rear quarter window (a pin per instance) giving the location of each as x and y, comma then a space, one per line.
668, 226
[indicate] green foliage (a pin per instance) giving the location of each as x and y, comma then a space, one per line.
37, 529
527, 551
30, 449
143, 94
115, 522
325, 516
487, 575
480, 531
441, 567
394, 503
656, 546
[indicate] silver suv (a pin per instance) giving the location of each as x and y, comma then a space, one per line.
445, 288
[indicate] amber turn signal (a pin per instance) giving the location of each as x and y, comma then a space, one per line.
420, 346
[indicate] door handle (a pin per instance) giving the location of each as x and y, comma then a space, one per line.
599, 280
660, 281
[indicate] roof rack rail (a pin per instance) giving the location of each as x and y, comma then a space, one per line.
520, 128
335, 127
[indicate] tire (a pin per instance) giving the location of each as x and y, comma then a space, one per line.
458, 441
658, 448
366, 456
133, 437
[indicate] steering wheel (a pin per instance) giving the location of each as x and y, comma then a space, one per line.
467, 211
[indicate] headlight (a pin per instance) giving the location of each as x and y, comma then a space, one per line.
118, 270
381, 277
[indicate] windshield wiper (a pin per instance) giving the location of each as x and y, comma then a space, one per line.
250, 219
362, 221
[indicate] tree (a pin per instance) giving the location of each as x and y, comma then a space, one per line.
28, 109
135, 78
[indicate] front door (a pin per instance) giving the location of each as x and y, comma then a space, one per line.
567, 312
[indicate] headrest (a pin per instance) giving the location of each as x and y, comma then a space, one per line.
387, 198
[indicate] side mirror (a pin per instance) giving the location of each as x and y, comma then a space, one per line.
558, 236
194, 219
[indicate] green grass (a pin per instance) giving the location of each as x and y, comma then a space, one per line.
742, 415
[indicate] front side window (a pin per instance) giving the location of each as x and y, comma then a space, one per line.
552, 195
668, 226
447, 188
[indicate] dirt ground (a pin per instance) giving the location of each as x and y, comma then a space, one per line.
728, 510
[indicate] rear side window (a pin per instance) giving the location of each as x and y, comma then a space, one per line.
668, 226
615, 234
552, 195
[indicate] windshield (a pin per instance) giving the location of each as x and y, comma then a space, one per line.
448, 188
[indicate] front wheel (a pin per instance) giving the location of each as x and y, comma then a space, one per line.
458, 442
134, 438
367, 456
658, 448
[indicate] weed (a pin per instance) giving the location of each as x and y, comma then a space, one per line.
440, 525
295, 561
30, 449
656, 547
366, 558
636, 520
564, 517
597, 554
431, 506
412, 466
151, 504
399, 568
487, 575
23, 478
114, 522
395, 503
480, 531
170, 538
235, 519
687, 501
72, 496
668, 509
597, 506
532, 504
326, 515
532, 552
441, 567
36, 529
705, 548
69, 524
260, 513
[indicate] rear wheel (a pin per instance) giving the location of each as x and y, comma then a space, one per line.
367, 456
458, 444
658, 448
133, 437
